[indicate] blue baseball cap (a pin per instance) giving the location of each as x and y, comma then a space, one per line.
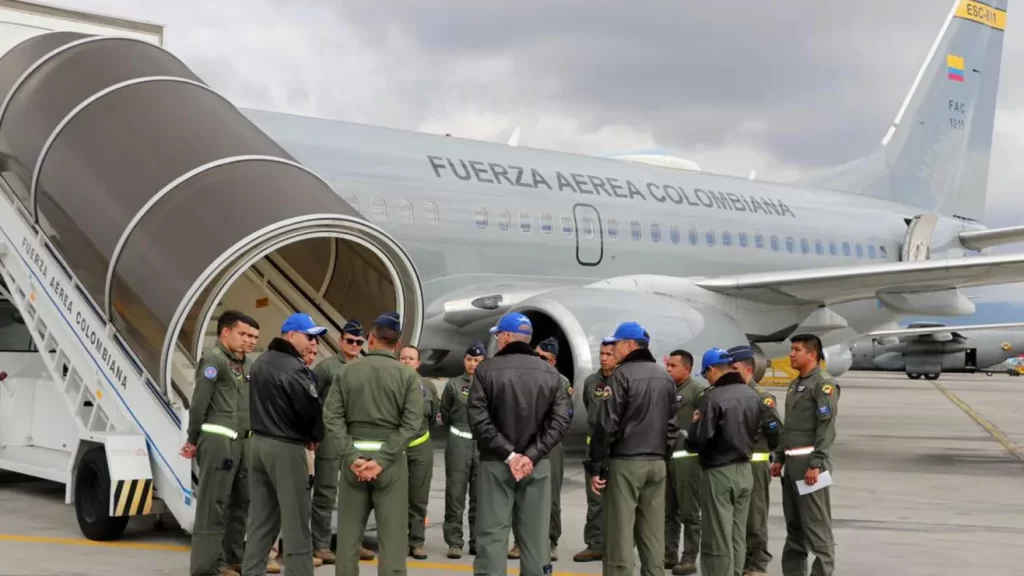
353, 327
714, 357
302, 322
628, 331
389, 320
514, 322
477, 349
739, 353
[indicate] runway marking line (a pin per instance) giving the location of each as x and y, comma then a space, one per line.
178, 548
989, 427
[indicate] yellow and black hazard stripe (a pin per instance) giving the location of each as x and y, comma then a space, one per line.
133, 497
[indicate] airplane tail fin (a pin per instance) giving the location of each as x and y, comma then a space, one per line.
935, 155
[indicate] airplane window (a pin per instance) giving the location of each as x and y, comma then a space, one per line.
405, 211
353, 201
846, 248
758, 241
709, 237
819, 247
673, 233
480, 215
832, 248
566, 225
790, 244
588, 227
547, 224
433, 216
871, 251
883, 252
743, 240
634, 230
656, 232
726, 238
694, 237
379, 208
525, 224
504, 221
860, 251
775, 243
805, 246
613, 228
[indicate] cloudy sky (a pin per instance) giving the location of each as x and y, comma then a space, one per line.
783, 87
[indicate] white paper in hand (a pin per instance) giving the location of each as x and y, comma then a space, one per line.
824, 480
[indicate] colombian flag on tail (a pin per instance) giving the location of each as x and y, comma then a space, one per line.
955, 68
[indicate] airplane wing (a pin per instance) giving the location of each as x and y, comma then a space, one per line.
979, 239
929, 330
832, 285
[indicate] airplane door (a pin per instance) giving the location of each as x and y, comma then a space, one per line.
589, 235
971, 358
917, 244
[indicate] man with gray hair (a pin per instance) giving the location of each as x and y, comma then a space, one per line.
518, 411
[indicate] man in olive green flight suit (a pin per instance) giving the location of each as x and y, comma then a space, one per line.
593, 530
682, 496
218, 428
327, 460
373, 411
758, 556
461, 456
812, 405
420, 456
548, 352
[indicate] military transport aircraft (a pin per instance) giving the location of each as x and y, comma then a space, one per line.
581, 243
928, 349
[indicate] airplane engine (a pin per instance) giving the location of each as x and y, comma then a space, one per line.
760, 362
838, 360
580, 317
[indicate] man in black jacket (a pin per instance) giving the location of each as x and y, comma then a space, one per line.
723, 431
630, 443
286, 420
518, 411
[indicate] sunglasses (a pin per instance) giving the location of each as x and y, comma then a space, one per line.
354, 341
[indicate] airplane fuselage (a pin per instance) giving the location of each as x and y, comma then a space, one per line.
977, 351
481, 218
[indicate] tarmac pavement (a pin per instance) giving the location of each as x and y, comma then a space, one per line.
929, 480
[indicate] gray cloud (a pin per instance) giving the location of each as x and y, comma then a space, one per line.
783, 87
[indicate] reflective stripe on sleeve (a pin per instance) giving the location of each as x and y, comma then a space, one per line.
802, 451
367, 446
461, 434
682, 454
588, 440
759, 457
219, 430
420, 440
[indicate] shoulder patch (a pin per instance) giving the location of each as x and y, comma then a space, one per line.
210, 372
827, 389
696, 416
769, 402
606, 393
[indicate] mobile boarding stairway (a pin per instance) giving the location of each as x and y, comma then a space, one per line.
136, 204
